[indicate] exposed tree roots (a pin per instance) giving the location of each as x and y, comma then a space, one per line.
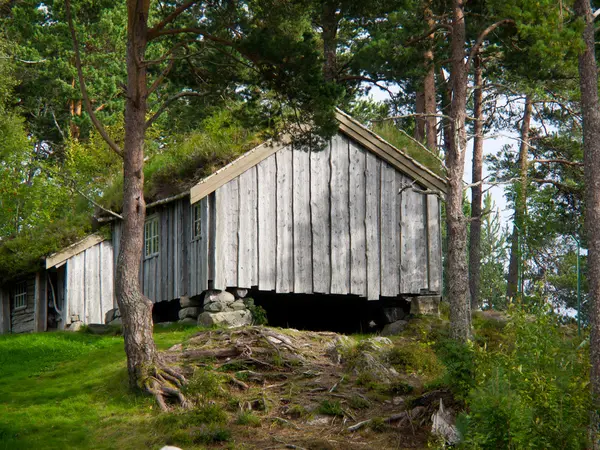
166, 385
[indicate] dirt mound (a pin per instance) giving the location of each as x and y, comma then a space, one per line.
312, 390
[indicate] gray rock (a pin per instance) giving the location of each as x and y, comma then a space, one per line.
239, 292
238, 305
188, 320
425, 304
228, 319
225, 297
338, 347
99, 328
192, 312
187, 302
393, 313
213, 307
74, 326
392, 329
118, 321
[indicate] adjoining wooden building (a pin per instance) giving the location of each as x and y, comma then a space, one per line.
350, 219
357, 218
75, 286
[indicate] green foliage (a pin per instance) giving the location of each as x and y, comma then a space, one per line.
531, 392
415, 357
205, 384
460, 365
248, 418
212, 434
331, 408
259, 314
407, 144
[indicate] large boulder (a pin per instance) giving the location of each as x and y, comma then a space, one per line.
228, 319
425, 304
187, 302
394, 328
192, 312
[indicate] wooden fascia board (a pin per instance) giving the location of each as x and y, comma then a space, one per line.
235, 169
390, 153
63, 255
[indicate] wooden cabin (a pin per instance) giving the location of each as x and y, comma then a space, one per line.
350, 219
357, 218
74, 287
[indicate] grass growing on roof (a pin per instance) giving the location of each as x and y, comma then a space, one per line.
184, 160
388, 131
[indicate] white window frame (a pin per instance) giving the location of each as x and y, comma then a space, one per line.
20, 295
196, 222
151, 237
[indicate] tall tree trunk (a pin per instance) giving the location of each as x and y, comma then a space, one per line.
419, 133
588, 79
518, 233
477, 190
429, 92
460, 307
330, 23
135, 308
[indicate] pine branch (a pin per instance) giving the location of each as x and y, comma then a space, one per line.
170, 18
481, 38
167, 102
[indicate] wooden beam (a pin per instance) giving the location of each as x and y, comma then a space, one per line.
235, 168
78, 247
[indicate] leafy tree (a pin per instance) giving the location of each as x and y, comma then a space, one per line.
270, 50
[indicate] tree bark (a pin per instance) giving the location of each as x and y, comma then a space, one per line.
429, 92
520, 205
330, 23
419, 133
460, 307
476, 190
588, 80
136, 309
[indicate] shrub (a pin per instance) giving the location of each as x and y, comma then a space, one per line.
532, 393
247, 418
212, 434
415, 357
331, 408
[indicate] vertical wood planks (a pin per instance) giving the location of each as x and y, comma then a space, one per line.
302, 221
76, 286
434, 245
248, 241
357, 191
202, 247
229, 251
414, 251
106, 278
220, 228
92, 285
340, 217
267, 223
390, 251
285, 237
320, 200
372, 225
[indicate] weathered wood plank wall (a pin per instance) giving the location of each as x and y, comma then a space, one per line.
181, 265
89, 286
23, 319
321, 220
327, 221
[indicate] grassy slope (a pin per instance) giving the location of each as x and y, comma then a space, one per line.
69, 390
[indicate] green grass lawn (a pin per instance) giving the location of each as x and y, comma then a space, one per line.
69, 390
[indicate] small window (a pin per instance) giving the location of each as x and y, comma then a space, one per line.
151, 237
197, 225
20, 296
